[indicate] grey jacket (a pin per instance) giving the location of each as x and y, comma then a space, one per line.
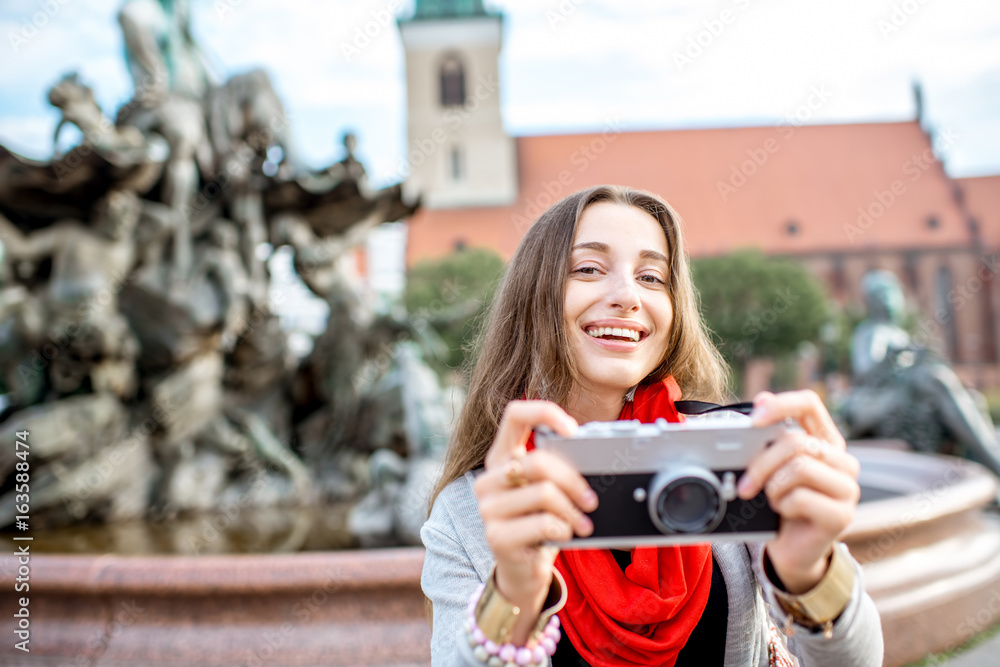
459, 558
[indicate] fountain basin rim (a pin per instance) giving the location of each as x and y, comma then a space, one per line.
971, 487
231, 574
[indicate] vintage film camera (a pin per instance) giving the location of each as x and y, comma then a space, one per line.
667, 483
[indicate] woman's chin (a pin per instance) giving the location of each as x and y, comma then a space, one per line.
608, 382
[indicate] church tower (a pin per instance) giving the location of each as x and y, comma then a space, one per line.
457, 150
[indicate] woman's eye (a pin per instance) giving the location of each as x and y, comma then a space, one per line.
652, 279
587, 270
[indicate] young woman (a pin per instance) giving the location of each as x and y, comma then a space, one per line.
597, 319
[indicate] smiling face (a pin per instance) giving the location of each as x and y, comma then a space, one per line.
617, 304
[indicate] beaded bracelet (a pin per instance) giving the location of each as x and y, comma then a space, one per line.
536, 654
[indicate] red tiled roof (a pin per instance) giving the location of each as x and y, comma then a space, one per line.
982, 200
815, 177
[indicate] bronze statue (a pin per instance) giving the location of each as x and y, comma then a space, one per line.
170, 80
135, 303
89, 267
122, 145
906, 391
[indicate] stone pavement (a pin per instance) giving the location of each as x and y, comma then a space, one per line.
986, 654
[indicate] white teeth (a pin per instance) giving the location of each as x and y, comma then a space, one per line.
600, 332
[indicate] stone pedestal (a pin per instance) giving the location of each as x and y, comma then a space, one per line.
343, 608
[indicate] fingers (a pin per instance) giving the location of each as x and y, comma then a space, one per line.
519, 417
549, 505
791, 445
538, 466
510, 537
545, 496
810, 481
807, 472
803, 406
802, 503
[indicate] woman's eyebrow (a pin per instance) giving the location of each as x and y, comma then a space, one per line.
593, 245
605, 248
656, 256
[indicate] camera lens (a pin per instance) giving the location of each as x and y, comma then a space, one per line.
689, 505
687, 500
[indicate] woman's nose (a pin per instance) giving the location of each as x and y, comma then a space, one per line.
624, 293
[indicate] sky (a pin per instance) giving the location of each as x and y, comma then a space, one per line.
566, 66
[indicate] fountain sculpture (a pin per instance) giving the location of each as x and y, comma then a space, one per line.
907, 391
141, 348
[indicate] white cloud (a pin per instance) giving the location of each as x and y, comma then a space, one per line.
28, 136
607, 58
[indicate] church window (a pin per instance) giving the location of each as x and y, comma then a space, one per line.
945, 312
457, 166
452, 82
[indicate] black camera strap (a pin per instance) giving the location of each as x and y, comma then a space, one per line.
703, 407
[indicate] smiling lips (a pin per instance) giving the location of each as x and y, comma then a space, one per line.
615, 338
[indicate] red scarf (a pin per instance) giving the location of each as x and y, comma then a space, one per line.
644, 615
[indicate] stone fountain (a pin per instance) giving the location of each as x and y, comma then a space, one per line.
142, 349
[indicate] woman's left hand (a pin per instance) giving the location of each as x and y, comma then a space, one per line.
809, 479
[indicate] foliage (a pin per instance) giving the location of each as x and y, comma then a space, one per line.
837, 335
757, 306
992, 397
452, 295
934, 659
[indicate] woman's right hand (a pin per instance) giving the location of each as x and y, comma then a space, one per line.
548, 507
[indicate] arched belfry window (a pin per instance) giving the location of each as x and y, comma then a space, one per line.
452, 82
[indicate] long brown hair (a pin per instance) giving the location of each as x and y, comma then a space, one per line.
523, 349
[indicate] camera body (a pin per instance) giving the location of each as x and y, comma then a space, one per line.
667, 483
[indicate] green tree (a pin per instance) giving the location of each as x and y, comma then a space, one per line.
451, 295
758, 306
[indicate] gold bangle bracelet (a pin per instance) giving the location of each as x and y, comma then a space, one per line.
496, 616
820, 606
